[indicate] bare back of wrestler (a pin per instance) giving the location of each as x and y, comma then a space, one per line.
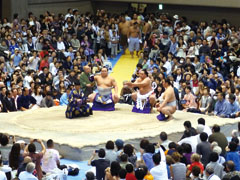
169, 105
105, 82
145, 86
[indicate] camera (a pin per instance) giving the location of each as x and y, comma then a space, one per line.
96, 151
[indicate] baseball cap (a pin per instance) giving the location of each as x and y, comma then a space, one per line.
119, 143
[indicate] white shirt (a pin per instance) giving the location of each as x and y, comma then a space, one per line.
33, 65
193, 141
168, 66
213, 177
207, 130
27, 81
50, 159
159, 172
60, 46
2, 176
26, 176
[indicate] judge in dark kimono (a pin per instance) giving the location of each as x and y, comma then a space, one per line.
77, 106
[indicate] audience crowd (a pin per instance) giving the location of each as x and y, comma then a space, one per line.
41, 59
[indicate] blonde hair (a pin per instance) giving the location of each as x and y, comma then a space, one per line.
195, 157
176, 156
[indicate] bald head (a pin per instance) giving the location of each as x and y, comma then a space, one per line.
87, 69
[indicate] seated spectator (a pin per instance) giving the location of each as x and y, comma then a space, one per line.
30, 150
188, 127
178, 170
147, 156
164, 140
23, 166
140, 174
190, 100
129, 150
130, 172
234, 106
9, 103
231, 172
233, 155
101, 164
111, 154
124, 160
189, 140
47, 101
218, 150
222, 106
28, 173
195, 161
5, 147
90, 176
196, 171
113, 172
206, 129
205, 103
204, 148
64, 97
15, 156
159, 171
218, 168
119, 144
210, 173
25, 101
122, 174
172, 147
51, 158
219, 137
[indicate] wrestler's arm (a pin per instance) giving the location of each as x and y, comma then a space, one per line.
143, 83
114, 83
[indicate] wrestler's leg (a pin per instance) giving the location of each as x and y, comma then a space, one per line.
152, 100
168, 110
134, 96
115, 98
91, 97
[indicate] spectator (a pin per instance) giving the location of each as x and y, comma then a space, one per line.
5, 147
178, 169
218, 168
47, 101
119, 144
129, 150
30, 150
159, 171
28, 173
111, 154
210, 174
51, 158
204, 148
195, 159
231, 172
196, 171
164, 140
222, 106
15, 157
130, 172
101, 164
233, 155
206, 128
147, 156
219, 137
25, 101
188, 127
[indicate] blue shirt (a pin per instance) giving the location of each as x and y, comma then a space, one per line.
233, 107
25, 101
173, 48
17, 59
234, 156
147, 157
64, 99
222, 108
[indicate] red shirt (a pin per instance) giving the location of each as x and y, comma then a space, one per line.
44, 63
130, 176
196, 164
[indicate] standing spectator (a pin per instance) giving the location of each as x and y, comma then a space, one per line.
101, 164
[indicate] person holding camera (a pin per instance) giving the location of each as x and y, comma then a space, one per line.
30, 150
101, 163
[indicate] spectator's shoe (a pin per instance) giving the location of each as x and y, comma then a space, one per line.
161, 117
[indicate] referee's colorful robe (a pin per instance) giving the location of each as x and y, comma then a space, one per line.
77, 109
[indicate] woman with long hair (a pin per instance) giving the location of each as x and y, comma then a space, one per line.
37, 94
15, 157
